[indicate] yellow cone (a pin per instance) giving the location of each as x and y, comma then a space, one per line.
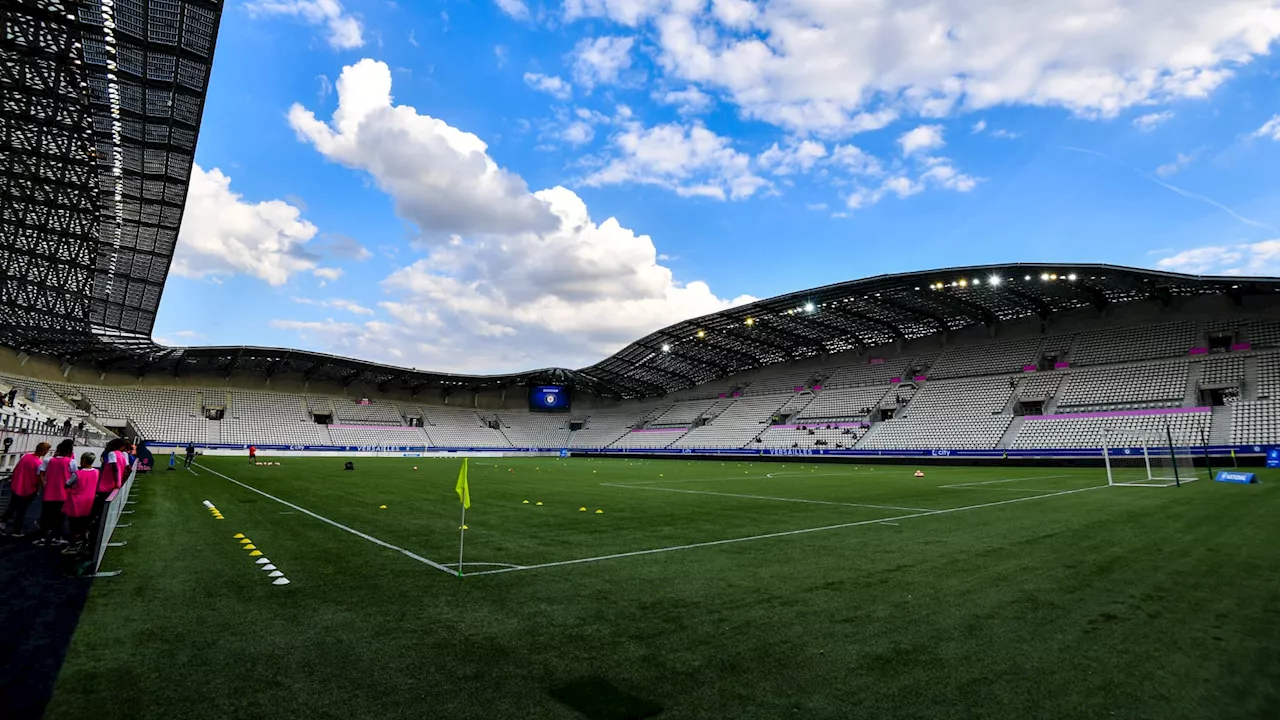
237, 536
245, 541
582, 509
219, 518
256, 553
526, 502
464, 527
250, 546
382, 507
538, 503
599, 512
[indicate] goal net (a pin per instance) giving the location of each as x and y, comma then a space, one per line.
1147, 458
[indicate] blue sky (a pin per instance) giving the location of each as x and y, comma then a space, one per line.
493, 186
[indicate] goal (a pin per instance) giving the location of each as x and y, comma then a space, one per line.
1146, 458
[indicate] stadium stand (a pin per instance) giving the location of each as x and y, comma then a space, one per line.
1268, 377
1041, 385
682, 414
531, 430
1255, 422
373, 413
986, 359
1127, 344
648, 438
844, 403
1068, 431
1225, 370
1125, 387
740, 423
866, 374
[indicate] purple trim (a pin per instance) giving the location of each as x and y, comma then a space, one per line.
372, 427
1241, 346
1029, 368
816, 387
657, 430
920, 378
1120, 413
1063, 365
877, 361
1198, 351
818, 425
799, 388
737, 394
723, 395
894, 381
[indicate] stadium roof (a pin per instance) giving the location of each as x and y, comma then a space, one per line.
100, 106
855, 315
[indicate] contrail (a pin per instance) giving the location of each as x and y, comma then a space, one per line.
1171, 188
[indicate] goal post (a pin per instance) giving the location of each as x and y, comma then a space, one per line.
1146, 458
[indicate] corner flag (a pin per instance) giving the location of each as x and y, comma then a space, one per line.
464, 490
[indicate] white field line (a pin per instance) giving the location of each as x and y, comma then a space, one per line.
961, 486
340, 526
193, 472
780, 534
469, 563
762, 497
888, 523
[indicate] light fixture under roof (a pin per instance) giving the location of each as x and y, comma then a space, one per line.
994, 280
808, 307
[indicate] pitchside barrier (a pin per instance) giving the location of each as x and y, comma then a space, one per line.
111, 512
1244, 453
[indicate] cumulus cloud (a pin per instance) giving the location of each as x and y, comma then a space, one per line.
350, 306
344, 30
1252, 259
509, 279
222, 234
1270, 129
979, 126
550, 84
922, 139
796, 157
515, 8
827, 67
690, 101
600, 61
1173, 168
692, 161
1150, 121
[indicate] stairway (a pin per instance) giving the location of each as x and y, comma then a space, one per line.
1220, 426
1011, 432
1249, 388
1191, 396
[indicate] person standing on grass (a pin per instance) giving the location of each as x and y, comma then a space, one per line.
82, 486
191, 454
57, 471
23, 488
253, 454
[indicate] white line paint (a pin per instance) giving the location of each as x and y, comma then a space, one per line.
340, 526
193, 472
1006, 480
761, 497
889, 523
779, 534
469, 563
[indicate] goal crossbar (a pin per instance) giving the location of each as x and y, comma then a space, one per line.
1146, 458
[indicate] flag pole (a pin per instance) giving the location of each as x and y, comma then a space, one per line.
462, 533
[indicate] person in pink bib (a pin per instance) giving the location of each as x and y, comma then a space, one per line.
115, 470
57, 470
78, 507
23, 487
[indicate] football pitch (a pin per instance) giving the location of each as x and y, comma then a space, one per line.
703, 589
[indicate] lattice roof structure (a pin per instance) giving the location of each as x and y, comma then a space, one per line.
100, 107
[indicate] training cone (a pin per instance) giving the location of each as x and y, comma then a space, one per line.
281, 581
526, 502
237, 536
599, 512
245, 541
268, 567
263, 561
582, 509
276, 573
219, 518
250, 546
256, 553
538, 503
382, 507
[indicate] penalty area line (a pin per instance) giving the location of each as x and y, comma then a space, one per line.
763, 497
786, 533
340, 526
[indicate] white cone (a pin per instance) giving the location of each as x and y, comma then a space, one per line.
268, 567
276, 573
263, 561
281, 581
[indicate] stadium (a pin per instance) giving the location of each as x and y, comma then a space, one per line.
1005, 490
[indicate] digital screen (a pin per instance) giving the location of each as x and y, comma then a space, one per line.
549, 398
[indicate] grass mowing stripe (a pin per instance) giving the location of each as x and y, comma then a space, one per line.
357, 533
763, 497
779, 534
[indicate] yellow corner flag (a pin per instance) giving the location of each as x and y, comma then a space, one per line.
464, 490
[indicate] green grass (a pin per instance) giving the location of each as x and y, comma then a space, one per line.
1103, 603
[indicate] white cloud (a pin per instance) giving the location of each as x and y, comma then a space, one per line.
796, 157
1173, 168
327, 273
922, 139
690, 101
815, 65
222, 234
578, 132
550, 84
1253, 259
945, 176
1270, 129
1005, 134
692, 161
350, 306
600, 61
979, 126
1149, 122
856, 161
515, 8
344, 30
501, 287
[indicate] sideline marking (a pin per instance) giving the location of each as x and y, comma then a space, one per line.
763, 497
506, 565
336, 524
193, 472
965, 486
779, 534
